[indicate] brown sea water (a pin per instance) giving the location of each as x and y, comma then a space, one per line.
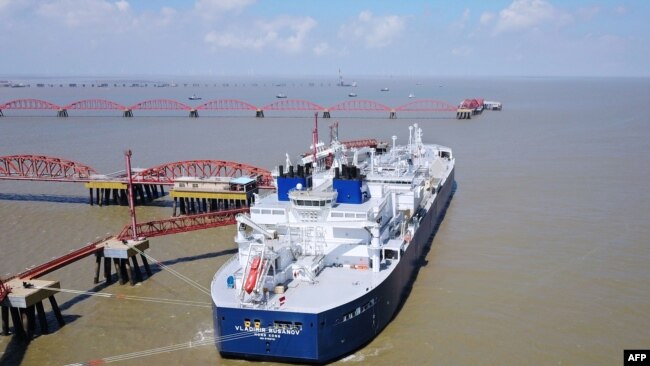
542, 257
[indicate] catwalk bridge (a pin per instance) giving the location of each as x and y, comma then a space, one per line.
22, 295
53, 169
219, 105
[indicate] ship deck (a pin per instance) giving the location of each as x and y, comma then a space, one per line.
334, 286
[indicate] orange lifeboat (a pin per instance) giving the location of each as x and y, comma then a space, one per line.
252, 275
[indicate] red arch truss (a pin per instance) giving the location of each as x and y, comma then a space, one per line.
29, 104
226, 105
293, 105
166, 173
95, 104
360, 105
426, 105
160, 104
471, 103
40, 167
4, 290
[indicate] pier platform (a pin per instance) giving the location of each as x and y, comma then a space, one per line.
24, 302
124, 255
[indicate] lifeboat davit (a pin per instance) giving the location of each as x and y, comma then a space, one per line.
252, 275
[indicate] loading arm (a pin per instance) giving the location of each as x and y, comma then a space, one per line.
244, 219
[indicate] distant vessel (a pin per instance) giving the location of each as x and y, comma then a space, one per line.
194, 97
343, 83
411, 95
490, 105
281, 96
385, 89
352, 95
324, 264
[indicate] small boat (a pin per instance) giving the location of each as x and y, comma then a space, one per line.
385, 89
411, 95
281, 96
194, 97
352, 95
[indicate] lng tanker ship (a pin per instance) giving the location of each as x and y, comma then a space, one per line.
324, 264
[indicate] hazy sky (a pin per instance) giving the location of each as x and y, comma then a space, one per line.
308, 37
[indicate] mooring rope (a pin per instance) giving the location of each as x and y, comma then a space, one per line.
130, 297
188, 280
171, 348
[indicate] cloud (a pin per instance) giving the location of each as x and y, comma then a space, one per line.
74, 13
374, 32
122, 5
588, 12
321, 49
486, 18
285, 33
461, 51
529, 14
462, 22
211, 9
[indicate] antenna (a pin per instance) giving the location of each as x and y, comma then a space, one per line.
314, 137
334, 132
129, 177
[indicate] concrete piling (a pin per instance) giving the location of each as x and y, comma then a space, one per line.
147, 269
57, 311
5, 320
19, 330
108, 276
42, 320
25, 303
123, 254
463, 113
98, 262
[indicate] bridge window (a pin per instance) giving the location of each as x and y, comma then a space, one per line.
195, 185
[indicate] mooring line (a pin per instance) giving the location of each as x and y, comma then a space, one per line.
190, 281
170, 348
130, 297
